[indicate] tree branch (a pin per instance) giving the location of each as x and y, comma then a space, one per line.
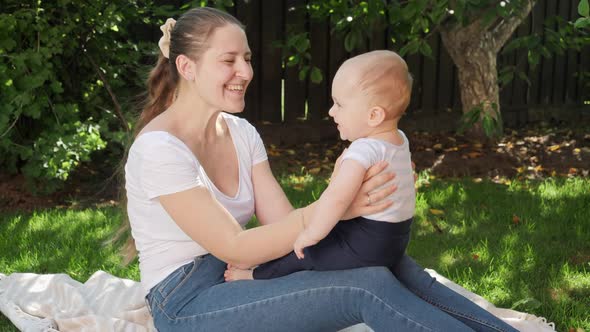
505, 28
110, 91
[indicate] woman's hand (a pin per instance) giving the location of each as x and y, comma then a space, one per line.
369, 199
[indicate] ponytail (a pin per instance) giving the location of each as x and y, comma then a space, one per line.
161, 85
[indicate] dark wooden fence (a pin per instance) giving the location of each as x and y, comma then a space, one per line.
277, 96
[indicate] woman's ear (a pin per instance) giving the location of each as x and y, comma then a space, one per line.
186, 67
376, 116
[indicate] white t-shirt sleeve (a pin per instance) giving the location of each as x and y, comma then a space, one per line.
257, 150
165, 167
363, 152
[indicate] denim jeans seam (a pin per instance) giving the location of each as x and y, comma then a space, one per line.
452, 311
244, 305
182, 282
168, 280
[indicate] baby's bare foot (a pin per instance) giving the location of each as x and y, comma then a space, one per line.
234, 274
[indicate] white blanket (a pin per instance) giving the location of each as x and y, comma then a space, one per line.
56, 302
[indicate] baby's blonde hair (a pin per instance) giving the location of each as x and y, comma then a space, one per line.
383, 75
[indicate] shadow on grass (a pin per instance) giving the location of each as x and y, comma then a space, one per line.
524, 244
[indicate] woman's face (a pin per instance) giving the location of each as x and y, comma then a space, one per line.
224, 70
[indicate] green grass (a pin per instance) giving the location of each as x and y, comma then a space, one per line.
540, 265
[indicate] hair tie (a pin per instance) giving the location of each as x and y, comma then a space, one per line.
164, 42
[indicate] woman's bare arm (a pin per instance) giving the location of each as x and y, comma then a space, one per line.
207, 222
271, 202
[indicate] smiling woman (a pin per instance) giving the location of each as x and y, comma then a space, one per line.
196, 174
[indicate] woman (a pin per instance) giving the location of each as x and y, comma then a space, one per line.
195, 175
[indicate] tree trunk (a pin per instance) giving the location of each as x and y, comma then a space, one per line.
474, 49
478, 74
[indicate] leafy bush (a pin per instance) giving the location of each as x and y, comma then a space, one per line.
67, 69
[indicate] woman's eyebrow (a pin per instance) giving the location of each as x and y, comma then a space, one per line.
236, 53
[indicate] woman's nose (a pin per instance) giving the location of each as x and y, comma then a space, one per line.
245, 70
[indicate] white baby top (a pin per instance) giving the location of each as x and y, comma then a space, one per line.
369, 151
159, 164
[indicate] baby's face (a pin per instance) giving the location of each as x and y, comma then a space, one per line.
350, 110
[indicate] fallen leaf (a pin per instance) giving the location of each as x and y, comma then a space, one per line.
298, 186
273, 153
437, 212
573, 170
474, 154
577, 151
515, 219
437, 146
314, 170
554, 147
475, 256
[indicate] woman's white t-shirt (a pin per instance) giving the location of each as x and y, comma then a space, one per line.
160, 164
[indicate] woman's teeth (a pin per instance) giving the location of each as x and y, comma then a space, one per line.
235, 87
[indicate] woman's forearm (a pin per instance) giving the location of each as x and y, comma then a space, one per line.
262, 244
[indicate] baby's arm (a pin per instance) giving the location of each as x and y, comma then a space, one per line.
332, 204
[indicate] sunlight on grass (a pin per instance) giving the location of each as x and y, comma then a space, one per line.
62, 241
523, 245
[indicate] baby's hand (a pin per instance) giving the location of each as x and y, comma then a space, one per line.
303, 241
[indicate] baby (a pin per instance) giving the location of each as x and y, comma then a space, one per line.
371, 92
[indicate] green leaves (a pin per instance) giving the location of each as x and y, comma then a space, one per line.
50, 92
486, 114
584, 8
584, 11
353, 39
316, 75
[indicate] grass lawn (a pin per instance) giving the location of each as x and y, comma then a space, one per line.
522, 245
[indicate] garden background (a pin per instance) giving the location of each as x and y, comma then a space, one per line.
503, 211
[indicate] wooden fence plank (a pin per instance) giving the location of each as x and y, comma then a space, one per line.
336, 57
318, 105
559, 77
571, 91
445, 78
294, 89
272, 71
519, 87
429, 76
538, 14
414, 62
506, 61
548, 66
583, 88
248, 14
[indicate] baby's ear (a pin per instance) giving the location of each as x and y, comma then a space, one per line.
376, 116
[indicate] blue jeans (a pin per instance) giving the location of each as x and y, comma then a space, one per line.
196, 298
